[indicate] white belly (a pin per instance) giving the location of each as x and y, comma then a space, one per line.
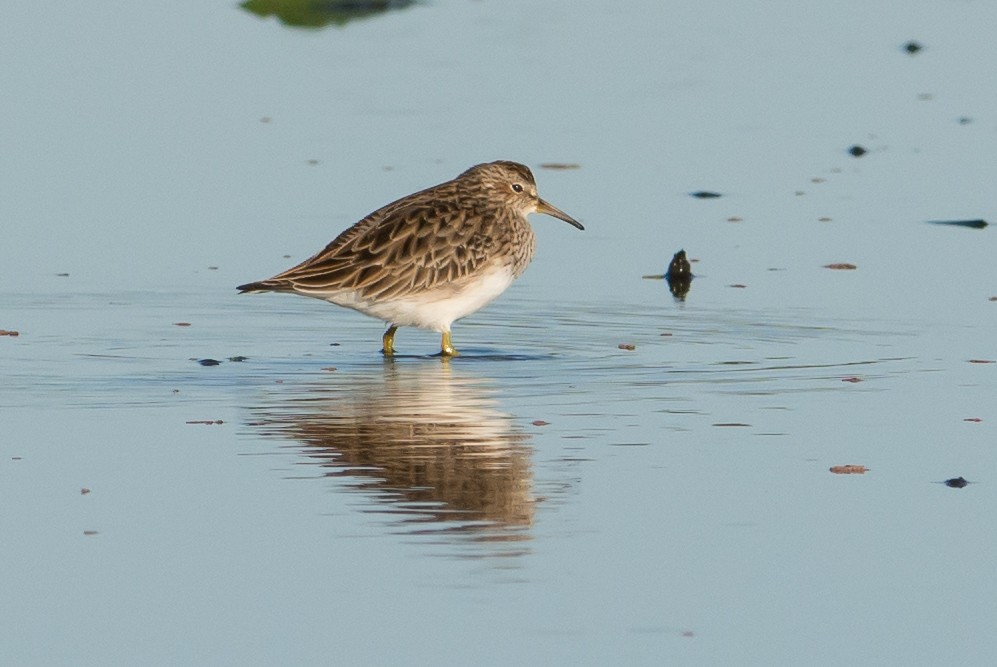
437, 309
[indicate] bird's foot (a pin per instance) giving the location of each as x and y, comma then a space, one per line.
446, 347
388, 341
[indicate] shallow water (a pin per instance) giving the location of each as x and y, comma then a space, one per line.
550, 496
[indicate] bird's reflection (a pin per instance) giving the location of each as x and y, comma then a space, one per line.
422, 442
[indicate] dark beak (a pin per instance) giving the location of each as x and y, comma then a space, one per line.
548, 209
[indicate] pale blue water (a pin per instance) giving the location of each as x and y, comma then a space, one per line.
547, 498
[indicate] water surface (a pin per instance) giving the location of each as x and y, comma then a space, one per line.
607, 475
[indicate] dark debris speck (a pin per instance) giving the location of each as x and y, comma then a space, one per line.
679, 275
970, 224
679, 266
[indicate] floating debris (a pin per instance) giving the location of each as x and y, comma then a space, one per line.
208, 422
13, 334
957, 482
913, 47
975, 420
679, 268
329, 369
725, 424
993, 298
841, 266
90, 533
981, 361
857, 151
181, 324
849, 469
738, 286
705, 194
679, 275
62, 275
852, 379
735, 218
84, 491
208, 362
560, 165
965, 120
969, 224
540, 422
237, 359
627, 346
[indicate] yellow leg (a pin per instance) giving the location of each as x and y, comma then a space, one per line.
388, 340
446, 347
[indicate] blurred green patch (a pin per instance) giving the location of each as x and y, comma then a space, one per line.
320, 13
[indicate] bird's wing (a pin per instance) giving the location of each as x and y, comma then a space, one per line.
421, 242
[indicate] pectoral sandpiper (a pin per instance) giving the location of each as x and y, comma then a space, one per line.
430, 258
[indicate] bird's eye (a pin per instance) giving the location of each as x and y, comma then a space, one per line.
516, 187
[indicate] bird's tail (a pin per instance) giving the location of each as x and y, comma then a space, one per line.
261, 286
